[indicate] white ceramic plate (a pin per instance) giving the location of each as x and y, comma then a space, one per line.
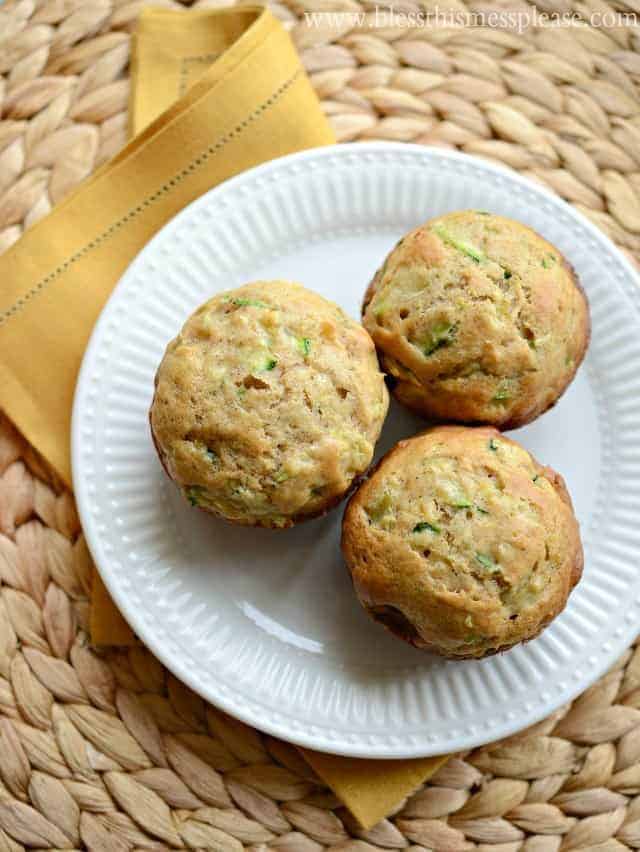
265, 624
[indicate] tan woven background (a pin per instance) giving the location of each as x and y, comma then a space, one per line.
108, 752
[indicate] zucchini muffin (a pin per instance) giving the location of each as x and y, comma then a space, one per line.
461, 543
478, 319
268, 405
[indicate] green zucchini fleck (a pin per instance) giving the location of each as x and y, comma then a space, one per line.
486, 562
481, 510
281, 476
248, 303
425, 525
549, 261
440, 335
194, 493
263, 363
462, 503
304, 345
502, 395
466, 248
212, 456
492, 445
536, 477
507, 274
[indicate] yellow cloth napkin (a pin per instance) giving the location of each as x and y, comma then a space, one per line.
213, 93
372, 788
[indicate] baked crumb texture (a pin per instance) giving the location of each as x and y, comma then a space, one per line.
478, 319
268, 404
461, 543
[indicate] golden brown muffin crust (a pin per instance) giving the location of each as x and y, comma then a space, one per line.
461, 543
478, 319
268, 405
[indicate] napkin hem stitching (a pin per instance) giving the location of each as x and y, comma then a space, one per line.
200, 160
184, 68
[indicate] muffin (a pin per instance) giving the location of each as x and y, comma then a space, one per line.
268, 405
478, 319
461, 543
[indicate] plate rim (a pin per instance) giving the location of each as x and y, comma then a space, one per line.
310, 740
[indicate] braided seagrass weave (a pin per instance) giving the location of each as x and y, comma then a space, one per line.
109, 752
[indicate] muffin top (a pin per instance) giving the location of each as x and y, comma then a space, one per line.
268, 404
479, 319
460, 542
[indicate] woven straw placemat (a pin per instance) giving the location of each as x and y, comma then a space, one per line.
109, 752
